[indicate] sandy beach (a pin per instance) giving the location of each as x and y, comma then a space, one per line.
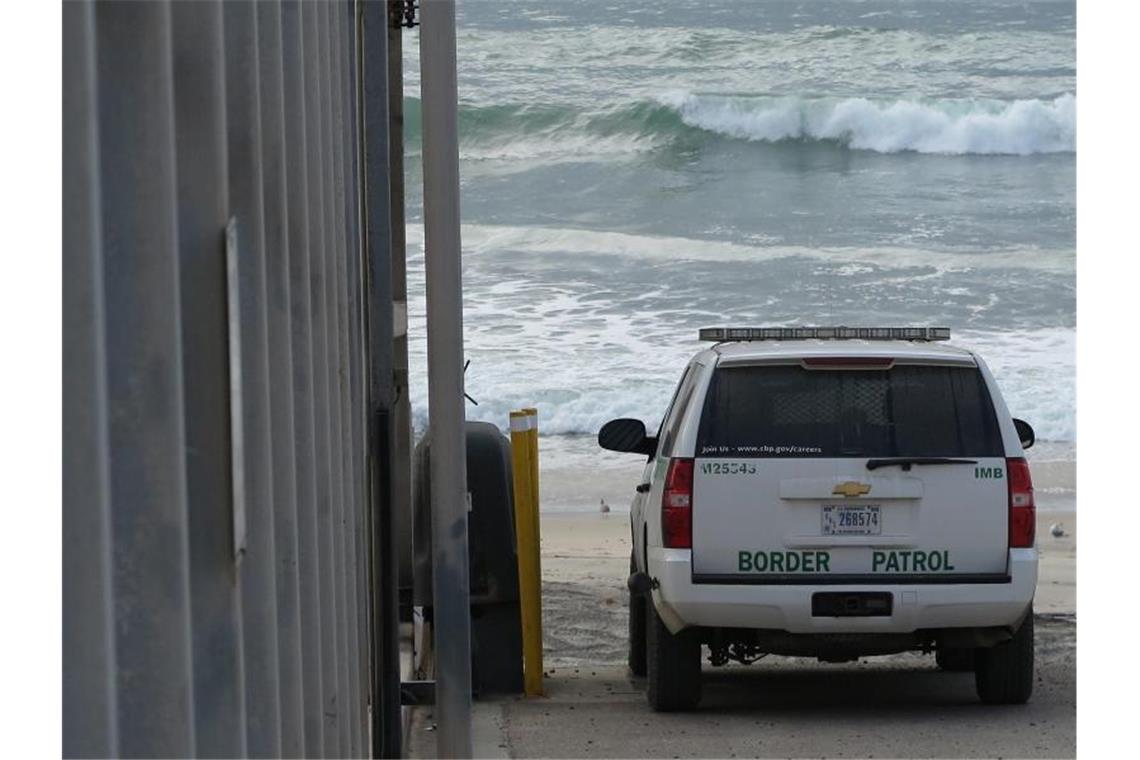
896, 706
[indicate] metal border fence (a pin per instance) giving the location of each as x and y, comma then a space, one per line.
228, 573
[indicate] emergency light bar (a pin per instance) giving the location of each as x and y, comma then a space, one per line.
722, 334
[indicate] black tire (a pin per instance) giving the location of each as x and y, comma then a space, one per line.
1004, 674
955, 659
674, 665
637, 605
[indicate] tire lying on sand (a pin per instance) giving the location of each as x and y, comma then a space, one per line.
674, 665
1003, 674
955, 659
637, 610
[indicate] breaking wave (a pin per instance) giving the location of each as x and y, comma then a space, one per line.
1020, 127
684, 120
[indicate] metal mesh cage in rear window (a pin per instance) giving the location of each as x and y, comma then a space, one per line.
903, 411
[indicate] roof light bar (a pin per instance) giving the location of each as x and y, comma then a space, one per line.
722, 334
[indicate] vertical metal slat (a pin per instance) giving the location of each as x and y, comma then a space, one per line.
339, 53
333, 233
257, 574
318, 301
144, 380
297, 146
199, 104
278, 251
89, 680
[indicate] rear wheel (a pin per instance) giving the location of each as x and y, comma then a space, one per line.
674, 665
955, 659
637, 606
1004, 674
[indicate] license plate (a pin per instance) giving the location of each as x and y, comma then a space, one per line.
851, 520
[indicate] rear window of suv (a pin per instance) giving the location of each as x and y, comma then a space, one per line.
790, 411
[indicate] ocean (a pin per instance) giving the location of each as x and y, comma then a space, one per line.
631, 172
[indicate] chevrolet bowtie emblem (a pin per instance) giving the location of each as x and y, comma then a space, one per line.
851, 488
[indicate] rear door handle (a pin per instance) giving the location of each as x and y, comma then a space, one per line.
642, 487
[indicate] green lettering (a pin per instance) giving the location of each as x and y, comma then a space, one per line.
760, 562
744, 562
777, 561
807, 558
706, 468
793, 566
877, 558
935, 561
946, 561
920, 562
892, 562
821, 560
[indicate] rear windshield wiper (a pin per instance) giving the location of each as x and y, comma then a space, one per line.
906, 462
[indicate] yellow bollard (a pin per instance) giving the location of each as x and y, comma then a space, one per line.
524, 467
532, 439
536, 546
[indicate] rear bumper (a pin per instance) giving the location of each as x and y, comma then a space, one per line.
683, 603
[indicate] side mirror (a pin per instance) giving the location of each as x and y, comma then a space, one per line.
627, 435
1024, 433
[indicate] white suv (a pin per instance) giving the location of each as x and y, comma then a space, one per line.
833, 493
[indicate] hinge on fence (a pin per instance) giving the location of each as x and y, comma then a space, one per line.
403, 13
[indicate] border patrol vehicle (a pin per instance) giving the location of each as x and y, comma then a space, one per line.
834, 493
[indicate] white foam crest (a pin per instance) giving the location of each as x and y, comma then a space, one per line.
1036, 371
484, 238
1020, 127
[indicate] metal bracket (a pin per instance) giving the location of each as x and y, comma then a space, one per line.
237, 430
414, 693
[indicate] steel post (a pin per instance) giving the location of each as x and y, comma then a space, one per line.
443, 275
375, 188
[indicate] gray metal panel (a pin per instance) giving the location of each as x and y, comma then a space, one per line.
89, 679
177, 120
277, 257
301, 253
144, 380
257, 572
199, 104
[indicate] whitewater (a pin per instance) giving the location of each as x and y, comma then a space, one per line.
632, 173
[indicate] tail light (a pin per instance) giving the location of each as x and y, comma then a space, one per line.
1022, 510
677, 505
